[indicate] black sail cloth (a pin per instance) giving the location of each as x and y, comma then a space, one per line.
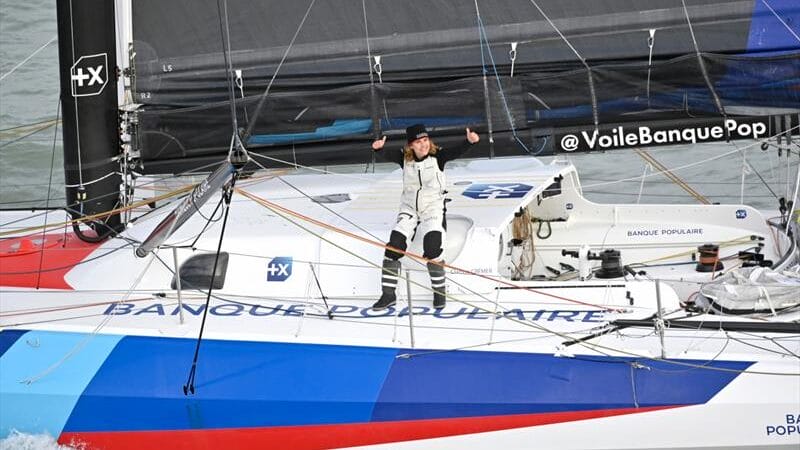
432, 62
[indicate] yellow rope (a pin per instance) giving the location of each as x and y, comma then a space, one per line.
732, 242
100, 215
674, 178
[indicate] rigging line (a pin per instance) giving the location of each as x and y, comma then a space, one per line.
750, 344
328, 208
321, 293
633, 383
100, 215
24, 136
482, 30
421, 263
675, 179
47, 122
153, 199
225, 35
75, 100
467, 347
70, 266
704, 365
581, 58
750, 166
29, 202
686, 166
263, 98
189, 386
86, 339
635, 194
773, 340
93, 181
49, 186
33, 311
318, 223
376, 123
319, 263
313, 169
62, 319
277, 209
486, 102
702, 64
781, 20
366, 36
209, 220
143, 202
229, 297
2, 77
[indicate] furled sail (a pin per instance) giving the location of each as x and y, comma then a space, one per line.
317, 79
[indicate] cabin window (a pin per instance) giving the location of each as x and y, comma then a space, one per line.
196, 272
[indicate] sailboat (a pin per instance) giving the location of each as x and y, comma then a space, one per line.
210, 282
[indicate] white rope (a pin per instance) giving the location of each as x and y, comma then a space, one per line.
2, 77
366, 38
588, 69
745, 171
86, 339
650, 42
93, 181
313, 169
647, 167
564, 38
277, 69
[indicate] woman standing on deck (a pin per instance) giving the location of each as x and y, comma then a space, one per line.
422, 208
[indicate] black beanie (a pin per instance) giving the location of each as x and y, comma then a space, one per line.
415, 132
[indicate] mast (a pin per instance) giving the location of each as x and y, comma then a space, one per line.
88, 73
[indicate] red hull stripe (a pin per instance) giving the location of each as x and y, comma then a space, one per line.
20, 259
315, 437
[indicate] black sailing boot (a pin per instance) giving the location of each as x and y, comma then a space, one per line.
437, 283
389, 274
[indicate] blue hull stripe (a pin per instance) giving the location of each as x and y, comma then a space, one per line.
263, 384
462, 384
45, 405
239, 384
7, 339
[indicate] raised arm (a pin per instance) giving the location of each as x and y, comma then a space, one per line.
393, 156
449, 154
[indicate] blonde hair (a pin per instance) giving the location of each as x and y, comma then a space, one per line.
408, 152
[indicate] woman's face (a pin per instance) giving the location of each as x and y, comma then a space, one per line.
421, 147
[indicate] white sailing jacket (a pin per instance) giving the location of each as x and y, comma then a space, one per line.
424, 181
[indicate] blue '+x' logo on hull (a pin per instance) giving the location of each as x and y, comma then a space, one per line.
496, 190
279, 269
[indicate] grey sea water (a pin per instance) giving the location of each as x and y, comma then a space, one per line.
29, 95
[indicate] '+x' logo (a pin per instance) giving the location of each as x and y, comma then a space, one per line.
89, 75
496, 190
279, 269
93, 75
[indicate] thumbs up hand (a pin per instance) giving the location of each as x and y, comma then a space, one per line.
378, 144
472, 137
